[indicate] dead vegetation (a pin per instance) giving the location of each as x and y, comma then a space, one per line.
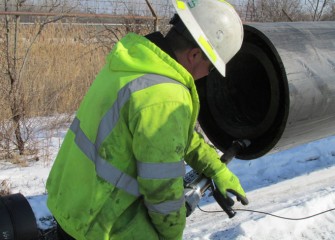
4, 188
53, 77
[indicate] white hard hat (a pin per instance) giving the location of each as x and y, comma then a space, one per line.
215, 26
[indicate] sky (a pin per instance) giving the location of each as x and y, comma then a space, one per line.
294, 183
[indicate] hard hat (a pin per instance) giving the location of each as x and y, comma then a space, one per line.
215, 26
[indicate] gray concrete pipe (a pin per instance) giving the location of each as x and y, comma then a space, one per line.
279, 91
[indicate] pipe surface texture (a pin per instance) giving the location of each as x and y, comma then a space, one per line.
279, 90
17, 220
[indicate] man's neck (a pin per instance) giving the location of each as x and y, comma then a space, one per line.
158, 39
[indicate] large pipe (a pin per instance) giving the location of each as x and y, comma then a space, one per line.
279, 91
17, 220
24, 218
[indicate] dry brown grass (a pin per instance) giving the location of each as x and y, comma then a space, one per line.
61, 65
4, 187
60, 69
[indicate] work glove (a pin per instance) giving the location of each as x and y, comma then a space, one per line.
226, 181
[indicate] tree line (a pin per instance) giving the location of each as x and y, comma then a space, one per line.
15, 53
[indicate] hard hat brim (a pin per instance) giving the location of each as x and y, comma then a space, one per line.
199, 36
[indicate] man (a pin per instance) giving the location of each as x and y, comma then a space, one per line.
119, 172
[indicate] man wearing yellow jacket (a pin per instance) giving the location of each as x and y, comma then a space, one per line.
119, 172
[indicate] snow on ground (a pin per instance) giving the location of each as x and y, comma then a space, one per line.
295, 183
295, 198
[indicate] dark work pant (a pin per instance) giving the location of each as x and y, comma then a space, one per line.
62, 235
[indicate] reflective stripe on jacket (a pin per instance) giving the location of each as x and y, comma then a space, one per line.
119, 172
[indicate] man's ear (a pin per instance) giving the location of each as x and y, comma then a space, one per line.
194, 56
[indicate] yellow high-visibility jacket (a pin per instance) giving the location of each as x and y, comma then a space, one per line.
119, 172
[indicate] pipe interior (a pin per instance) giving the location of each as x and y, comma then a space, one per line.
248, 102
245, 103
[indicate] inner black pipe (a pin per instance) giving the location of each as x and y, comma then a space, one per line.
17, 220
272, 87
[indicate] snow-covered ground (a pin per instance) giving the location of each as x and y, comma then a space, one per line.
295, 183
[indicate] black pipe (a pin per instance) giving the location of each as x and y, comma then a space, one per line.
17, 220
279, 91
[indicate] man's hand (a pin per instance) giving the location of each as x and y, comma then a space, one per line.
226, 181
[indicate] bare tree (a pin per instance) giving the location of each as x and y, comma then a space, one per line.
319, 8
273, 10
12, 73
331, 15
14, 58
289, 10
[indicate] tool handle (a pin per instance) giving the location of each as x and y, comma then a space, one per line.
236, 147
225, 203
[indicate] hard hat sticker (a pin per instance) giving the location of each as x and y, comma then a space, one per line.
208, 48
224, 1
192, 3
180, 5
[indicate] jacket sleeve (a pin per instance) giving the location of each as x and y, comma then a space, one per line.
160, 136
203, 157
